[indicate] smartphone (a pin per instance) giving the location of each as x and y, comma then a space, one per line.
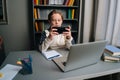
61, 29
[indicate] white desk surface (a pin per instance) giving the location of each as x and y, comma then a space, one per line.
47, 70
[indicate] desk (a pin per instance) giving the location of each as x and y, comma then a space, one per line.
47, 70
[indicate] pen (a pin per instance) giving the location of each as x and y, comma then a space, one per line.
53, 57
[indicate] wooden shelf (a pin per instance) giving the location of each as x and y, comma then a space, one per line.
55, 6
70, 17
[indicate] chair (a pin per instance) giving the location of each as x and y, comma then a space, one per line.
2, 52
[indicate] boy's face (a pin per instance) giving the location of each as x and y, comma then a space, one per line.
56, 20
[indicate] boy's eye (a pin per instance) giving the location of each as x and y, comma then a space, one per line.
59, 20
56, 20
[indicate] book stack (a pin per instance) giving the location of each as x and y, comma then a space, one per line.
111, 54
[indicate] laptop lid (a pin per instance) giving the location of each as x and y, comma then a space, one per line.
82, 55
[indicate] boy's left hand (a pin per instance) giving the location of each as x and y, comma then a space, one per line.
67, 34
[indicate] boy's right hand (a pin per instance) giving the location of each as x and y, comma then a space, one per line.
52, 33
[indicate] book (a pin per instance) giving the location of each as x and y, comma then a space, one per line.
114, 61
35, 13
51, 2
69, 13
72, 3
66, 2
37, 2
44, 12
41, 26
60, 2
51, 54
73, 13
69, 4
34, 2
108, 57
112, 50
36, 27
38, 12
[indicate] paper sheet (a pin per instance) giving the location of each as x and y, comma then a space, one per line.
9, 71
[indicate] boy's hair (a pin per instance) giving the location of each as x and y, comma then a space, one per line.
54, 12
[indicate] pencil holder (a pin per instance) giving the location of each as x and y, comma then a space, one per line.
26, 66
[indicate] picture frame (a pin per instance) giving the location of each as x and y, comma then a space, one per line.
3, 12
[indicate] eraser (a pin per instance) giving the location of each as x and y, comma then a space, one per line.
19, 62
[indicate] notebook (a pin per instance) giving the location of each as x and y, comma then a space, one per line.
81, 55
51, 54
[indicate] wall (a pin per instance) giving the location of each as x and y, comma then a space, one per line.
16, 33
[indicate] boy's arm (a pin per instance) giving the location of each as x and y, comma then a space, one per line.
69, 42
45, 45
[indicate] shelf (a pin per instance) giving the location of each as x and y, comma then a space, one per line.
40, 18
54, 6
64, 20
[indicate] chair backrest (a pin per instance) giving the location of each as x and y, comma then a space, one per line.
2, 51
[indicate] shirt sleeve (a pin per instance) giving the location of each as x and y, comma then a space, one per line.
68, 42
45, 45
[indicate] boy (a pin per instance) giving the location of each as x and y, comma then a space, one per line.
53, 39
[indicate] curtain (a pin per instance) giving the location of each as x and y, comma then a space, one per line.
99, 20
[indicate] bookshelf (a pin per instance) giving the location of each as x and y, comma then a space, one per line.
41, 9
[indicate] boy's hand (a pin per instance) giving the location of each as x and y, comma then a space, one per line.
68, 32
52, 33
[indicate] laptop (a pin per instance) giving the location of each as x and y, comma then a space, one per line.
80, 55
